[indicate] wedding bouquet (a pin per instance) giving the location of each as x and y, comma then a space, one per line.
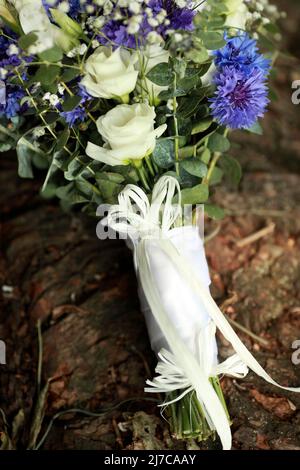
130, 103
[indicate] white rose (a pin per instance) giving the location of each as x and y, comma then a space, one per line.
110, 74
34, 19
151, 56
237, 14
128, 132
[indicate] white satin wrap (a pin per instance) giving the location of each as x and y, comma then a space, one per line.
181, 314
187, 314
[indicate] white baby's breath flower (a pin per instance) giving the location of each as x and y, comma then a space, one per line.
3, 72
38, 132
53, 100
46, 96
154, 38
12, 50
60, 88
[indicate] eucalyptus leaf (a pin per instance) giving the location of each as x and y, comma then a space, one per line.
218, 143
161, 74
194, 167
214, 212
71, 102
163, 154
195, 195
232, 169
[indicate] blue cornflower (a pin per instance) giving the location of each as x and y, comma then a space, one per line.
240, 98
11, 96
7, 59
241, 52
78, 114
75, 116
82, 91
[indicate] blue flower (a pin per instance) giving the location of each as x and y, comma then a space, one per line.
240, 98
10, 105
242, 52
115, 31
78, 114
75, 116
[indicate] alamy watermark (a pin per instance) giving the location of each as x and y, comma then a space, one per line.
139, 221
2, 352
296, 353
296, 93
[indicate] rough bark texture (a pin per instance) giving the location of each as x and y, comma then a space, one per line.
95, 347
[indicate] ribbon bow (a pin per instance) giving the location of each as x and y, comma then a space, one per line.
146, 224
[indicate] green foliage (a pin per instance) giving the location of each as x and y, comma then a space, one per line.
187, 150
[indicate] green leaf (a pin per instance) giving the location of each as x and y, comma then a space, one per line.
217, 176
55, 54
62, 139
194, 167
212, 40
218, 143
195, 195
76, 168
71, 102
186, 152
161, 74
69, 74
214, 212
51, 117
256, 129
201, 126
5, 147
163, 154
198, 55
71, 194
232, 169
205, 156
188, 106
191, 78
47, 74
109, 189
27, 40
25, 151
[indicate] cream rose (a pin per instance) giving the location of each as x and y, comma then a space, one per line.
34, 19
237, 16
110, 74
128, 132
151, 56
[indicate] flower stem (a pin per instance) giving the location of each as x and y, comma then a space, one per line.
176, 135
149, 165
138, 165
187, 417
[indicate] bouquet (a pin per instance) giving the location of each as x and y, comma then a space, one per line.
128, 106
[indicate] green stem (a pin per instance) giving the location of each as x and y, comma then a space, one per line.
187, 418
176, 136
149, 165
138, 165
211, 168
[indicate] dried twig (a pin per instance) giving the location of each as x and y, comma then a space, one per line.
256, 236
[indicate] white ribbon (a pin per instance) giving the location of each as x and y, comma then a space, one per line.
172, 377
148, 226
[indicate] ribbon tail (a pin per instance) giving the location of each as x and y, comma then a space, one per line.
218, 317
183, 355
